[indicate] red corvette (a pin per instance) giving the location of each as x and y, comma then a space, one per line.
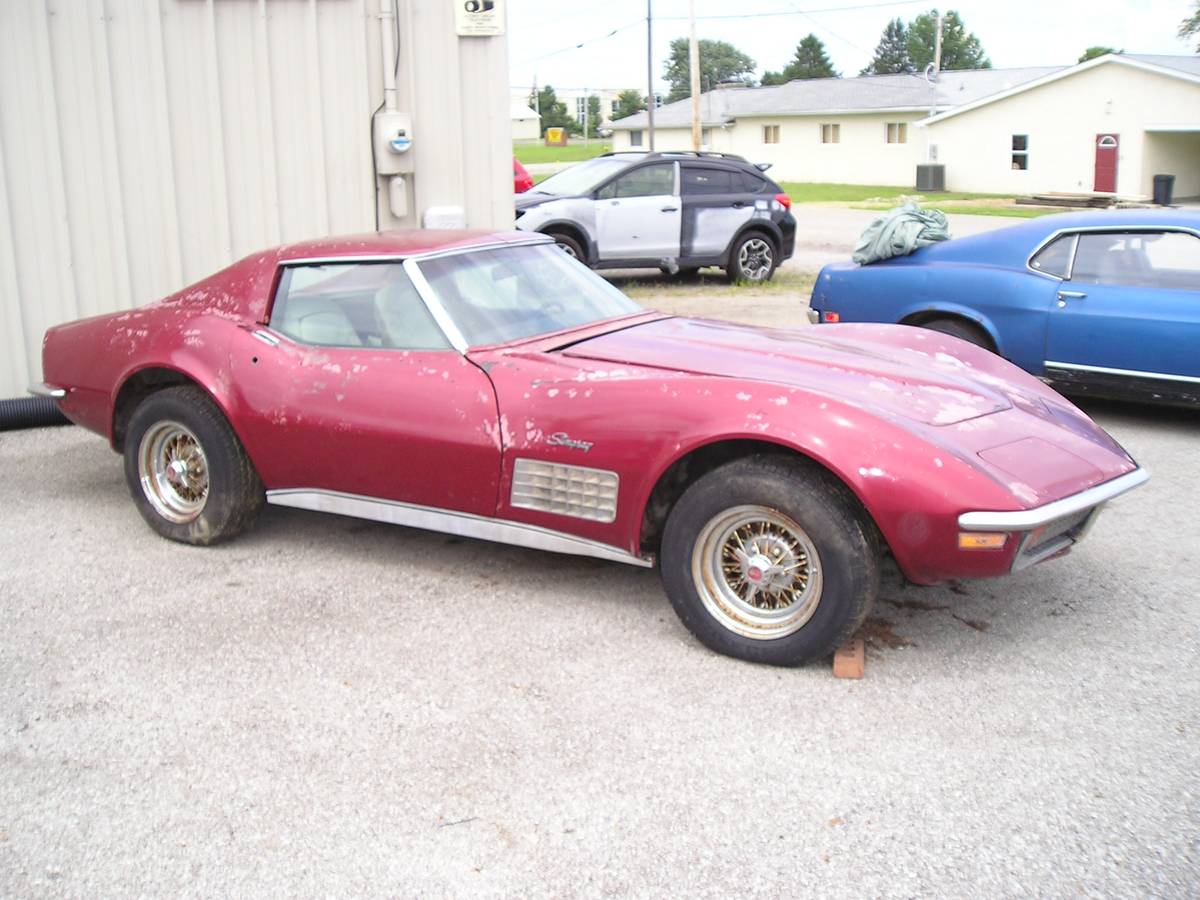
489, 386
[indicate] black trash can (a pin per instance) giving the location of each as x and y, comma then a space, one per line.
1164, 187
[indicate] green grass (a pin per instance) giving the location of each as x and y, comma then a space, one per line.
1016, 212
576, 151
649, 284
820, 192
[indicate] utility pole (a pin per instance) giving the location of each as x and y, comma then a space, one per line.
650, 71
694, 65
937, 49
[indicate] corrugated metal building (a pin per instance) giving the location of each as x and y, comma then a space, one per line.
147, 143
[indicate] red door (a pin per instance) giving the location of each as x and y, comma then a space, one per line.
1106, 163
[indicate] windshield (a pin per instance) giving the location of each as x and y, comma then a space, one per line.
583, 178
509, 293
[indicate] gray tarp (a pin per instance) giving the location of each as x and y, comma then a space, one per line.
899, 232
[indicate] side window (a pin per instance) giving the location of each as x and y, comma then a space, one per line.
1055, 257
647, 181
354, 305
707, 181
754, 184
1159, 259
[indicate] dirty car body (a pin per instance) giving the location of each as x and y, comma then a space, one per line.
1106, 304
487, 385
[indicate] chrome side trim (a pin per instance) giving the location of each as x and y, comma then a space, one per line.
47, 390
1129, 373
577, 491
450, 522
265, 336
1025, 519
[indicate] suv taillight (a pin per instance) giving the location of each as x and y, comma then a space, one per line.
784, 200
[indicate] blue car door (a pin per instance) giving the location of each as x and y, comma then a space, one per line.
1130, 307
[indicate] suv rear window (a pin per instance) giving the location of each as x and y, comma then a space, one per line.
709, 181
756, 185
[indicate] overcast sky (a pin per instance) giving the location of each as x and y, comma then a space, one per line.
543, 34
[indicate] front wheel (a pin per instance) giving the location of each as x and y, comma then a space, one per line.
753, 258
769, 560
570, 246
186, 469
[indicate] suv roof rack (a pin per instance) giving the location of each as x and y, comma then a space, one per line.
673, 153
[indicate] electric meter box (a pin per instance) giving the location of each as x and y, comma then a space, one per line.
393, 143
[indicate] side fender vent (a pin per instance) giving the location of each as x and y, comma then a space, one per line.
575, 491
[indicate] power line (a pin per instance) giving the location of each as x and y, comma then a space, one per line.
582, 43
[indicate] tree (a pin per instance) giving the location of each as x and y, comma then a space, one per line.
593, 115
960, 48
552, 110
719, 61
770, 79
891, 54
1093, 52
1191, 26
810, 61
629, 101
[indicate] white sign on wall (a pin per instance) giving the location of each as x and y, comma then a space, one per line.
478, 18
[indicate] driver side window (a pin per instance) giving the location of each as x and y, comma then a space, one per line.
371, 305
648, 181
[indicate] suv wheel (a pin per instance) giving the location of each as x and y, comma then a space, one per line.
752, 258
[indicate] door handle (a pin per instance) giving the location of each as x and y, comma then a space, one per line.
669, 208
1071, 295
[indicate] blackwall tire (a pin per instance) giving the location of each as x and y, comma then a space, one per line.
972, 334
752, 259
572, 247
188, 474
769, 560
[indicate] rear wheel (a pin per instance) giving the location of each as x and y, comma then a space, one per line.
768, 560
958, 328
186, 469
753, 258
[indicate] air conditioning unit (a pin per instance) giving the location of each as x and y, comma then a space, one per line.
931, 178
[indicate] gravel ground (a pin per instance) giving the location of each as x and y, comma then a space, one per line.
328, 706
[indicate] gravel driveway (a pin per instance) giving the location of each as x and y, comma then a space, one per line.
329, 706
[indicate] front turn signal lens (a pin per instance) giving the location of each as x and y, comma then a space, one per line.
982, 540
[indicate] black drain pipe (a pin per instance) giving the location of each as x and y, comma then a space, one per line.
30, 412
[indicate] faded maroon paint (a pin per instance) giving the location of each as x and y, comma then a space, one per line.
1106, 163
920, 426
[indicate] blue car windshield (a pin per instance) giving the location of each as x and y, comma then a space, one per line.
509, 293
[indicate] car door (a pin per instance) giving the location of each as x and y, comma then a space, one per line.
1130, 306
353, 388
638, 214
715, 207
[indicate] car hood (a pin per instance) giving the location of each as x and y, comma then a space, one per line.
533, 197
885, 367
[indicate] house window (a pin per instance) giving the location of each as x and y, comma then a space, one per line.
831, 134
897, 132
705, 137
770, 134
1020, 151
635, 138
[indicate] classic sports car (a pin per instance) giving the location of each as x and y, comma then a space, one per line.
488, 385
1096, 303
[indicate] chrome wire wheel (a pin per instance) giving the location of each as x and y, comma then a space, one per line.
757, 572
173, 471
756, 259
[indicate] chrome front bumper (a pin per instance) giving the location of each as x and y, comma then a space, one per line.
47, 390
1051, 529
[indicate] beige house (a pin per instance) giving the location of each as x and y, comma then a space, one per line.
1121, 119
526, 123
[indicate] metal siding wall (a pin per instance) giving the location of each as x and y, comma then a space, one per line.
147, 143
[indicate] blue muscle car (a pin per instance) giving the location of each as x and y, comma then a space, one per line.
1098, 303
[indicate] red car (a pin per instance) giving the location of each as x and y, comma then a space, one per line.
522, 180
489, 386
